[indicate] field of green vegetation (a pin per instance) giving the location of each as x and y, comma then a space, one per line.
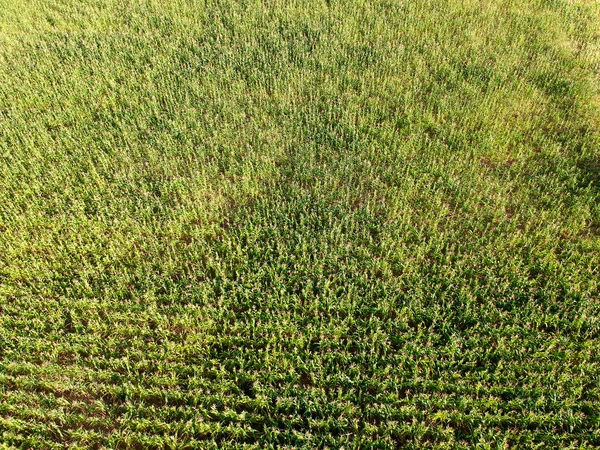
299, 224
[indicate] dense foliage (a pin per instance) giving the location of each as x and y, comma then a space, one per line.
314, 223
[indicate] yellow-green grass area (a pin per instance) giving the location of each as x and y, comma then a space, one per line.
299, 224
